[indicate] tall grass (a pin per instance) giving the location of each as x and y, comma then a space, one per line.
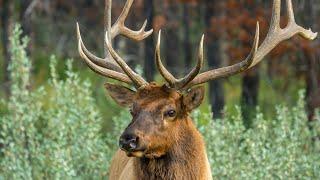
54, 132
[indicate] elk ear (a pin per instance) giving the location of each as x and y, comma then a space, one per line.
193, 98
121, 94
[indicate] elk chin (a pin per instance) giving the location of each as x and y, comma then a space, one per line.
137, 154
144, 154
154, 155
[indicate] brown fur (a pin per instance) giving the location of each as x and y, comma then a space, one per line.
174, 147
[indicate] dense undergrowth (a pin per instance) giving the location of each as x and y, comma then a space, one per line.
55, 133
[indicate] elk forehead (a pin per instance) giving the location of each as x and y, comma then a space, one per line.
153, 94
155, 99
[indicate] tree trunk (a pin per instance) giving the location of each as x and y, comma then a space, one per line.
249, 96
187, 43
216, 91
312, 84
313, 68
26, 8
25, 17
132, 47
6, 25
250, 89
149, 65
172, 46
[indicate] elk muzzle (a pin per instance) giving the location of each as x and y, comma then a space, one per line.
129, 142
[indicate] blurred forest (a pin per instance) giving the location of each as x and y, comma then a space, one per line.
228, 25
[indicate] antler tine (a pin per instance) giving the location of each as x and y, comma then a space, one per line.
120, 28
98, 69
173, 82
163, 71
98, 61
275, 36
296, 29
196, 70
137, 80
290, 12
275, 18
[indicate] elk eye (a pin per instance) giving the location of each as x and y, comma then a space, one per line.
171, 113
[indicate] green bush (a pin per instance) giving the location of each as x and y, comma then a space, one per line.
54, 132
283, 148
50, 134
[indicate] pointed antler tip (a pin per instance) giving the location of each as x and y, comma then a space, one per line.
107, 37
315, 35
201, 44
143, 27
148, 33
78, 32
159, 37
145, 23
77, 25
258, 29
308, 33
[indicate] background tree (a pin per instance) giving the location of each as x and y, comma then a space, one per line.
6, 24
149, 65
187, 45
216, 91
229, 27
171, 36
311, 56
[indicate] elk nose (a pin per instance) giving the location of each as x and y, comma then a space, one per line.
128, 142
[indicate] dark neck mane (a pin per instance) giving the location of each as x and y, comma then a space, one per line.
183, 160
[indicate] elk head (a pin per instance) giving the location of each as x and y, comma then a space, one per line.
160, 112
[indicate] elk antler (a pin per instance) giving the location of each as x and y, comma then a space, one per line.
275, 36
120, 71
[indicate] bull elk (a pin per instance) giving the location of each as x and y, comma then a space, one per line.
161, 142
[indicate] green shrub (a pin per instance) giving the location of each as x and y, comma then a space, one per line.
50, 134
53, 132
283, 148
